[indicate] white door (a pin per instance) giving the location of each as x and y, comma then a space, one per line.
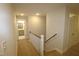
73, 30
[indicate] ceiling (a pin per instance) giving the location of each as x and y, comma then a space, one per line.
33, 8
42, 8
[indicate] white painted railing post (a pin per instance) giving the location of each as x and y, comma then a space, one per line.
42, 45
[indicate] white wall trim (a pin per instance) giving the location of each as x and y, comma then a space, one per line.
58, 50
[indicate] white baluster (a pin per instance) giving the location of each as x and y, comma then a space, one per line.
42, 45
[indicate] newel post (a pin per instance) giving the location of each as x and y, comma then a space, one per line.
42, 45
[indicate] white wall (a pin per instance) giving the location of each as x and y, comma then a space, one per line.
55, 24
66, 31
37, 24
7, 31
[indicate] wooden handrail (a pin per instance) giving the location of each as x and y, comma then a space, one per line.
51, 37
34, 34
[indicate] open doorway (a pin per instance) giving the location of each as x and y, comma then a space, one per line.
21, 28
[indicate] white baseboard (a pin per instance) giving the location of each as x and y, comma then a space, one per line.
61, 51
58, 50
49, 50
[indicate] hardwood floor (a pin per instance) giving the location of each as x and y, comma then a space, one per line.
25, 48
52, 53
73, 51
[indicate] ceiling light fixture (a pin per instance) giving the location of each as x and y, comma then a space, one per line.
22, 14
71, 15
37, 14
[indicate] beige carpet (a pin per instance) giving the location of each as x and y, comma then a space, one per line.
25, 48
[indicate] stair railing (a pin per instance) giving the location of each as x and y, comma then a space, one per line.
41, 37
50, 38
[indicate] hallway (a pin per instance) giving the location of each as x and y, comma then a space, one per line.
39, 23
25, 48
